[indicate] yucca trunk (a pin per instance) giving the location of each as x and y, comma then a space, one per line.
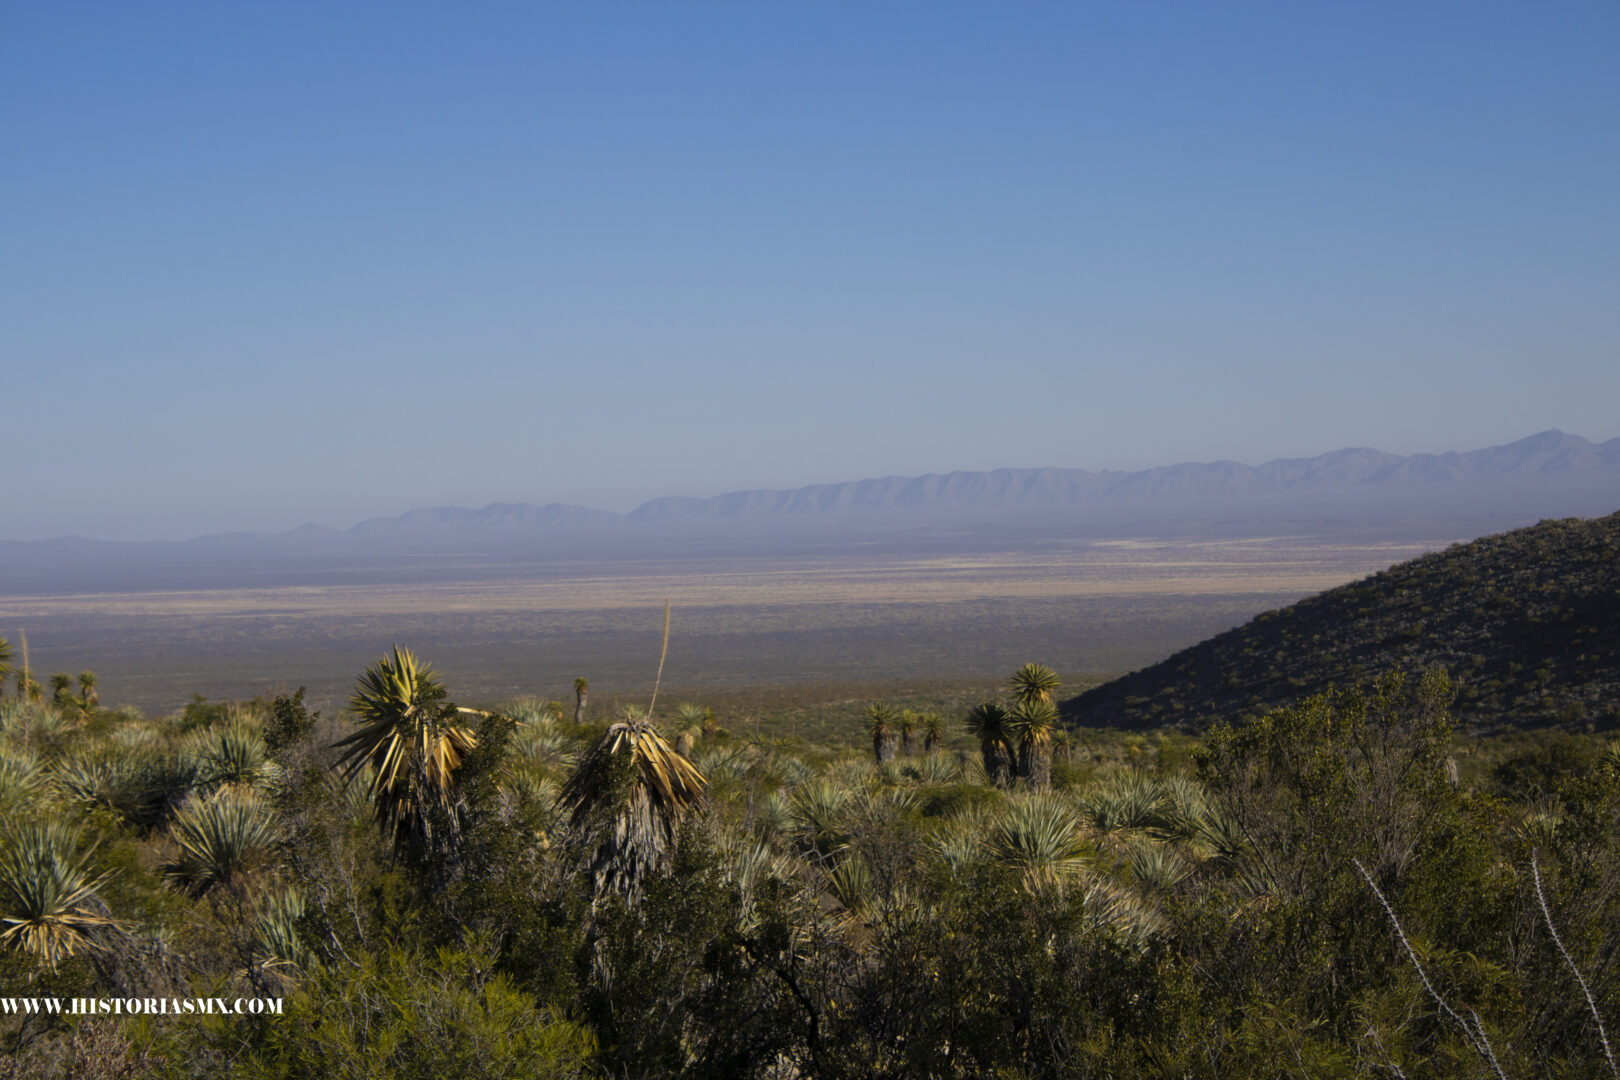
685, 740
997, 761
1035, 763
883, 747
579, 706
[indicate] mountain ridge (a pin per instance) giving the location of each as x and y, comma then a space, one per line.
1550, 455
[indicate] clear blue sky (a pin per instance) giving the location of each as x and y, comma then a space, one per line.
268, 263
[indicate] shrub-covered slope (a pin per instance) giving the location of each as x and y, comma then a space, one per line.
1527, 622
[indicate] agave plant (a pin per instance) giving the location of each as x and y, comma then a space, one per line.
220, 839
48, 901
412, 743
988, 724
1042, 836
630, 792
1034, 682
1031, 724
1156, 867
881, 724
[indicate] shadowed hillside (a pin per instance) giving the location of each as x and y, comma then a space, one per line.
1527, 622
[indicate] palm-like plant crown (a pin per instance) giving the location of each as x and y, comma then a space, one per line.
1032, 722
631, 790
880, 720
1034, 682
988, 724
408, 738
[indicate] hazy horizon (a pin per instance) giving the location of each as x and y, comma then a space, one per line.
274, 265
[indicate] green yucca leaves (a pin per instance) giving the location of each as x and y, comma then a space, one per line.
1042, 836
48, 903
988, 724
411, 742
220, 839
631, 790
234, 755
1034, 682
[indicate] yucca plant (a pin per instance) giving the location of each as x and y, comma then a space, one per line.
234, 756
629, 794
1031, 724
933, 727
1128, 801
988, 724
817, 813
907, 725
582, 689
1034, 682
277, 915
688, 727
1042, 836
48, 901
410, 739
20, 779
221, 839
881, 726
1156, 867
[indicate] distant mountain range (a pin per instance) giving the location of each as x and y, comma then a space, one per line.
1549, 474
1526, 622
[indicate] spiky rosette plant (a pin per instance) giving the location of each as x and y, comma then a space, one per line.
907, 723
48, 903
988, 724
627, 796
221, 839
1031, 725
1042, 836
410, 739
933, 727
1034, 682
882, 724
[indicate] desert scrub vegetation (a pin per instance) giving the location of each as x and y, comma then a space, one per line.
520, 891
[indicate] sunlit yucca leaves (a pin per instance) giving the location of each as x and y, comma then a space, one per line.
221, 839
630, 791
276, 917
233, 755
543, 746
48, 903
936, 769
1156, 867
1539, 825
933, 729
142, 787
134, 736
851, 883
1034, 682
1127, 801
1042, 836
533, 711
412, 742
816, 810
20, 778
773, 817
1120, 913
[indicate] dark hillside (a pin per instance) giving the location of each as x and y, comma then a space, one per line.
1527, 622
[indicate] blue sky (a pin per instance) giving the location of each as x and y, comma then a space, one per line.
262, 264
